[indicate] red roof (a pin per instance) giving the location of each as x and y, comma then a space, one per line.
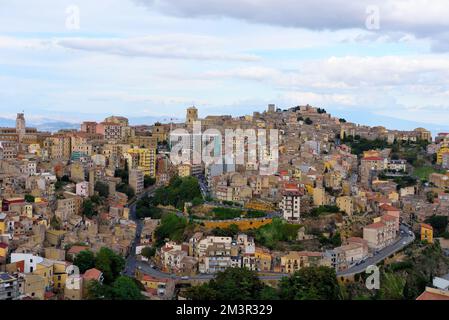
92, 274
432, 296
427, 226
388, 207
388, 218
3, 245
376, 225
77, 249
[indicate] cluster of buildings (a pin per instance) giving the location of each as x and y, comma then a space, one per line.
47, 180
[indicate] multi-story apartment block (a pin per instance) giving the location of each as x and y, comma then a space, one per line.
381, 233
136, 180
9, 286
142, 159
291, 205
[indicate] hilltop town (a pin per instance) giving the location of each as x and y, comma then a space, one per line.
106, 212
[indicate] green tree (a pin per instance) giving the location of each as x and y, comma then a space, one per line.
148, 252
84, 260
148, 181
55, 223
98, 291
171, 227
179, 191
308, 121
102, 189
124, 288
231, 284
89, 208
311, 283
110, 263
29, 198
126, 189
439, 223
392, 287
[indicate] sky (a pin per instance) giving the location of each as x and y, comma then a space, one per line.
385, 64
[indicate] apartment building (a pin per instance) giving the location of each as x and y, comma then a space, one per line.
291, 205
381, 233
136, 180
9, 286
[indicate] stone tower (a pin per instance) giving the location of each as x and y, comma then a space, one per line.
192, 115
20, 126
91, 182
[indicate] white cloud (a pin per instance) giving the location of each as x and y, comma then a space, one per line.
180, 46
423, 18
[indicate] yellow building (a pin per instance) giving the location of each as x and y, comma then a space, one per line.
34, 286
59, 275
2, 224
184, 170
263, 260
440, 153
371, 153
3, 250
346, 205
296, 260
426, 233
319, 197
45, 270
142, 159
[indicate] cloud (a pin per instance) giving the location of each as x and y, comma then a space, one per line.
422, 18
163, 46
168, 46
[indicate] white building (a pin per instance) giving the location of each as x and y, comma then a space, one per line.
30, 261
291, 205
82, 189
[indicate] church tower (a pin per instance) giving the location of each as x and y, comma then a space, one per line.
192, 115
20, 126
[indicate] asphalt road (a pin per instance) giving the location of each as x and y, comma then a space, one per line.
404, 240
131, 261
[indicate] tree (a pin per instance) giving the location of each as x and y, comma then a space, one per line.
88, 208
29, 198
84, 260
126, 189
439, 223
148, 252
392, 287
179, 191
124, 288
231, 284
308, 121
55, 223
148, 181
110, 263
98, 291
102, 189
171, 227
311, 283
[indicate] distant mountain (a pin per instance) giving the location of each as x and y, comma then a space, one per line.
55, 126
135, 121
